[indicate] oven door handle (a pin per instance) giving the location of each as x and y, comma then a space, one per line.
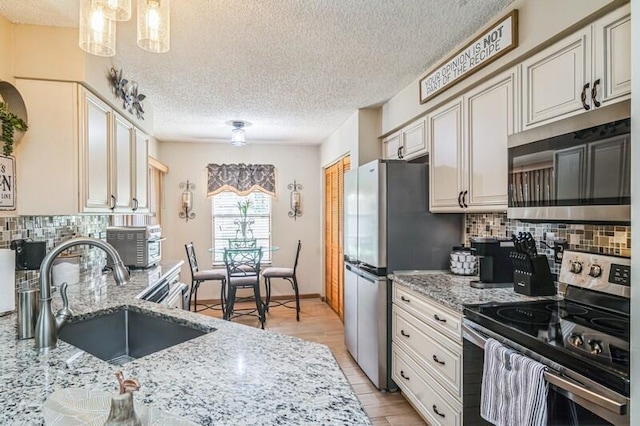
562, 383
576, 389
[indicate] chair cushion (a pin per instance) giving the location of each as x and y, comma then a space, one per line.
274, 272
244, 281
211, 274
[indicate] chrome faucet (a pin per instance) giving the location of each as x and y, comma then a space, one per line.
48, 326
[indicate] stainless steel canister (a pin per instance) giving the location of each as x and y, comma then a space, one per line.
28, 307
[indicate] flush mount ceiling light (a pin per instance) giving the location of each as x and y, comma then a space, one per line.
98, 28
237, 134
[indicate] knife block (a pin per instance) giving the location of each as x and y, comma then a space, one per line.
537, 281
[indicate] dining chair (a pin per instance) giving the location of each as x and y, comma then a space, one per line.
235, 243
288, 274
198, 277
243, 271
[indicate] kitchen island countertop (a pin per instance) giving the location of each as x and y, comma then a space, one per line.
455, 291
232, 375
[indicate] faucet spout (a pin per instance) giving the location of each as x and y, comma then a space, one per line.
48, 326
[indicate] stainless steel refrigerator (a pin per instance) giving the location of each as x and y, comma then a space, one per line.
387, 227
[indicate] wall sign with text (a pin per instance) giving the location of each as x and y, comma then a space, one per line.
7, 183
495, 42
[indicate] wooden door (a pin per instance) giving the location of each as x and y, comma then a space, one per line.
334, 252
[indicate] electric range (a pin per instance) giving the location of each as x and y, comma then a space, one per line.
583, 339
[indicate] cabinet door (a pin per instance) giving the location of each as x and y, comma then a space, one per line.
413, 140
612, 38
141, 173
445, 171
390, 146
96, 153
489, 121
554, 80
123, 163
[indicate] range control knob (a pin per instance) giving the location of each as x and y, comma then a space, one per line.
576, 340
595, 270
576, 267
596, 347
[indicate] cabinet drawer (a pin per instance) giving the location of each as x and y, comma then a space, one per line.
431, 400
440, 357
442, 319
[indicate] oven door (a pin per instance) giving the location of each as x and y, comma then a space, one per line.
573, 399
154, 251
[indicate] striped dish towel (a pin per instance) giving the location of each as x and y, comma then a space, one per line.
514, 391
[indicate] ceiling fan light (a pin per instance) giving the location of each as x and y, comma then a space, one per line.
116, 10
97, 31
153, 25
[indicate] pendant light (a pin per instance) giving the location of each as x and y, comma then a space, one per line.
153, 25
116, 10
237, 134
97, 31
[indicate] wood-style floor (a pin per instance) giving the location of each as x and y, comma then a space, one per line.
319, 323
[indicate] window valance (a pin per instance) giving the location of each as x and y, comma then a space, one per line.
241, 178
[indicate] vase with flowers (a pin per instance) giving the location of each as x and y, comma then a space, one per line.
244, 223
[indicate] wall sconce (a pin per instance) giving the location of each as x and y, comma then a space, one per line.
187, 200
295, 200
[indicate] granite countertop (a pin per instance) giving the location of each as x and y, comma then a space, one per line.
232, 375
454, 291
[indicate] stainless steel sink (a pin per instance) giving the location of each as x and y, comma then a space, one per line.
126, 334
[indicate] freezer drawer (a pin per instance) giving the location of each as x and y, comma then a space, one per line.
351, 311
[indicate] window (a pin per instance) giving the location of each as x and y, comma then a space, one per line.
226, 215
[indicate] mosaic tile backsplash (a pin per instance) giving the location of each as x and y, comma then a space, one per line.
605, 239
53, 230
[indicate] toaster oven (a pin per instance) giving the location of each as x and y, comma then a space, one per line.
138, 246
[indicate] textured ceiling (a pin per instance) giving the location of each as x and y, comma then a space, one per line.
294, 69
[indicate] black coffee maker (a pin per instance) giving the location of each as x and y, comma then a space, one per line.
495, 266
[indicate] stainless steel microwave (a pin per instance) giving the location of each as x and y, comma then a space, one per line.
576, 169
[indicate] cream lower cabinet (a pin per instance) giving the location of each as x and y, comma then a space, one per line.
586, 70
468, 137
79, 155
426, 356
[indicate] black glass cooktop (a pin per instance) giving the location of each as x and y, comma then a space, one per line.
591, 341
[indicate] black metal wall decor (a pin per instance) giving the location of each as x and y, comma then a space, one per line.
187, 201
295, 200
128, 92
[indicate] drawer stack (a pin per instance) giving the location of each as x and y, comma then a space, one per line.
427, 356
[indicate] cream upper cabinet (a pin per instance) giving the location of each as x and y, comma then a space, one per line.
612, 40
490, 112
446, 162
586, 70
391, 147
413, 140
96, 130
141, 198
86, 151
468, 164
123, 167
407, 143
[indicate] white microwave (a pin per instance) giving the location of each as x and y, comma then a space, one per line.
577, 169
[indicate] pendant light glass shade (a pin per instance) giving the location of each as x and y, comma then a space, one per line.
97, 31
116, 10
153, 25
237, 134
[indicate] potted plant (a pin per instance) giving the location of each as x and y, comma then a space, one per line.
10, 123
